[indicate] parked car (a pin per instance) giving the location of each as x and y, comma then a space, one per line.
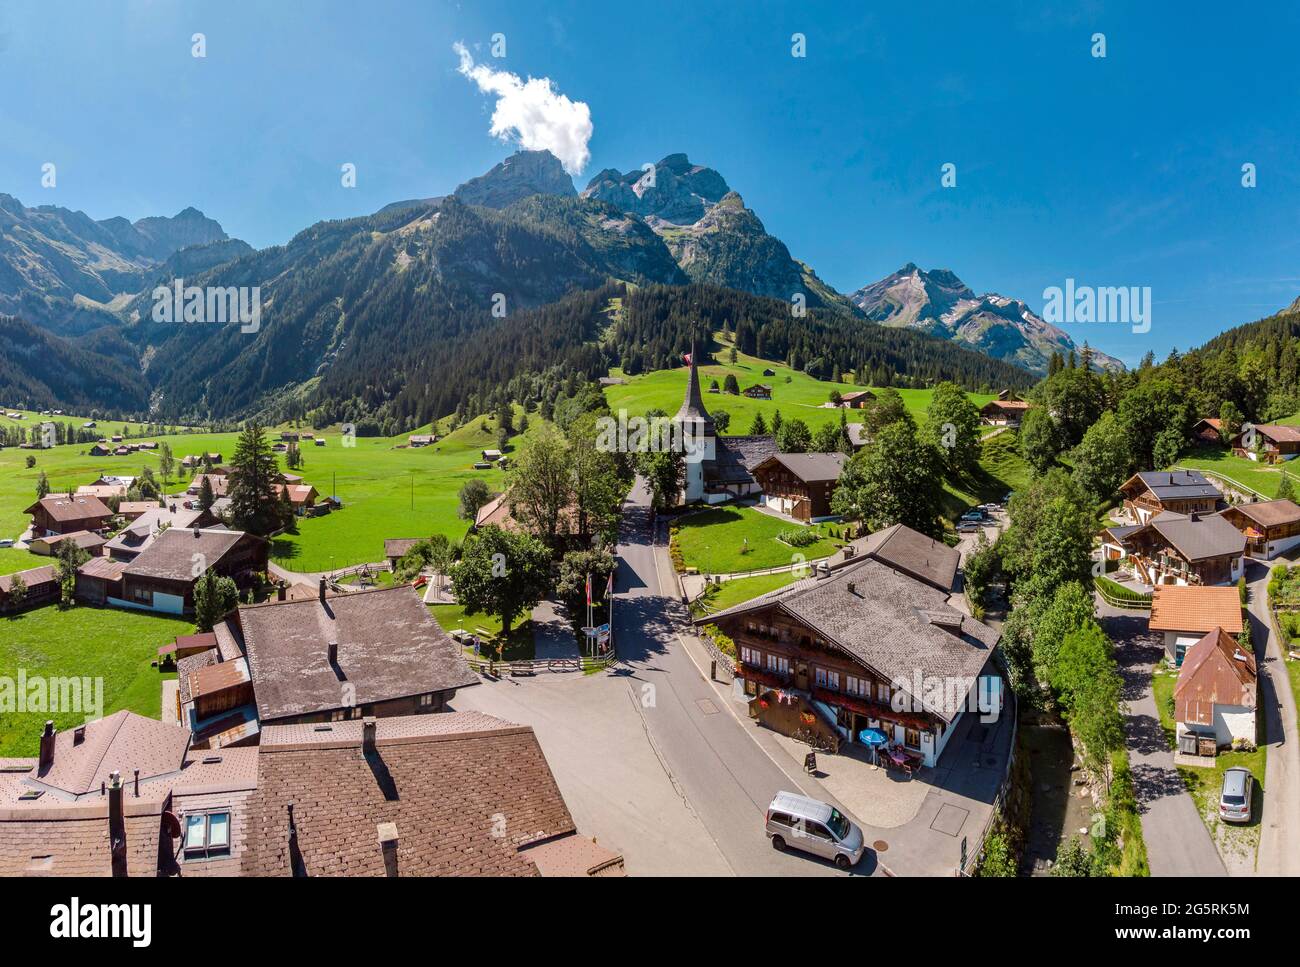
1235, 797
967, 527
6, 542
814, 827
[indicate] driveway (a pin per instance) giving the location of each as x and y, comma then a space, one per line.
1178, 844
1279, 840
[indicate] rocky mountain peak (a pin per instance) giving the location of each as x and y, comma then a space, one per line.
523, 174
673, 191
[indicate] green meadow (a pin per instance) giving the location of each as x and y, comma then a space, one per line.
387, 489
794, 393
115, 645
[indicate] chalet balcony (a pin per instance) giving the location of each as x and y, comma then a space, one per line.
763, 676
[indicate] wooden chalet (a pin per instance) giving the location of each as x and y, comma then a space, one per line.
64, 514
1176, 491
862, 647
41, 584
1171, 548
162, 578
1271, 527
1272, 443
800, 485
1214, 700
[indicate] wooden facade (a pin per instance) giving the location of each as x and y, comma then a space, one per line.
786, 490
792, 675
1157, 561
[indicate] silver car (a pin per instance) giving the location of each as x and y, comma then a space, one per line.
814, 827
1234, 798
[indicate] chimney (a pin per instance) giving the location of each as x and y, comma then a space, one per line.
368, 730
853, 588
387, 835
196, 533
821, 570
322, 590
279, 592
47, 747
334, 652
137, 783
116, 824
79, 735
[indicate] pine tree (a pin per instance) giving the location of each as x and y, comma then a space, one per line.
254, 505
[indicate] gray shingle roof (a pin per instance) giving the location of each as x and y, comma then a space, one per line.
171, 554
908, 551
812, 467
1208, 536
389, 647
894, 624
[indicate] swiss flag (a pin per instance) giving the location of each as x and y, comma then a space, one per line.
686, 358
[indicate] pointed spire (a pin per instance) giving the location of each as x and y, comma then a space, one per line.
693, 405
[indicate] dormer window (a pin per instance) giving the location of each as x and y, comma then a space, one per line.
207, 835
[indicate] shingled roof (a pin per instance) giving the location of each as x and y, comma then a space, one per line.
811, 467
65, 508
1195, 608
892, 623
906, 550
1198, 537
170, 556
389, 647
1270, 513
463, 793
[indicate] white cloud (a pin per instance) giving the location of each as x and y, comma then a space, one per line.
532, 113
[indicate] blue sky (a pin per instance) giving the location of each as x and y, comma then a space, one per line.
1117, 171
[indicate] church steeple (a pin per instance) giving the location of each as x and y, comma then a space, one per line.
693, 408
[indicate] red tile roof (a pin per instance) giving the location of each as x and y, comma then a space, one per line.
465, 792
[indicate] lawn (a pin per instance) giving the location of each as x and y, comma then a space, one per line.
729, 539
730, 593
453, 616
794, 393
1255, 476
114, 645
1204, 784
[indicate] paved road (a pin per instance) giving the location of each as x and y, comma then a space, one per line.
726, 776
1279, 840
1178, 844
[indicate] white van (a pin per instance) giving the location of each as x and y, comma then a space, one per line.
814, 827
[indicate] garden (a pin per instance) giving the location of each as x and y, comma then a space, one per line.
734, 538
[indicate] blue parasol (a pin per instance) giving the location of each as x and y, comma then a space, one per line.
873, 737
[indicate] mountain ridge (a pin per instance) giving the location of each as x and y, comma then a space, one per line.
940, 304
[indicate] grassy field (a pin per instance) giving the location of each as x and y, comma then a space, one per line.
387, 489
1256, 476
730, 593
1204, 784
794, 393
106, 643
714, 541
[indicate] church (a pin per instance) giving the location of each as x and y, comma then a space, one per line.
717, 468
